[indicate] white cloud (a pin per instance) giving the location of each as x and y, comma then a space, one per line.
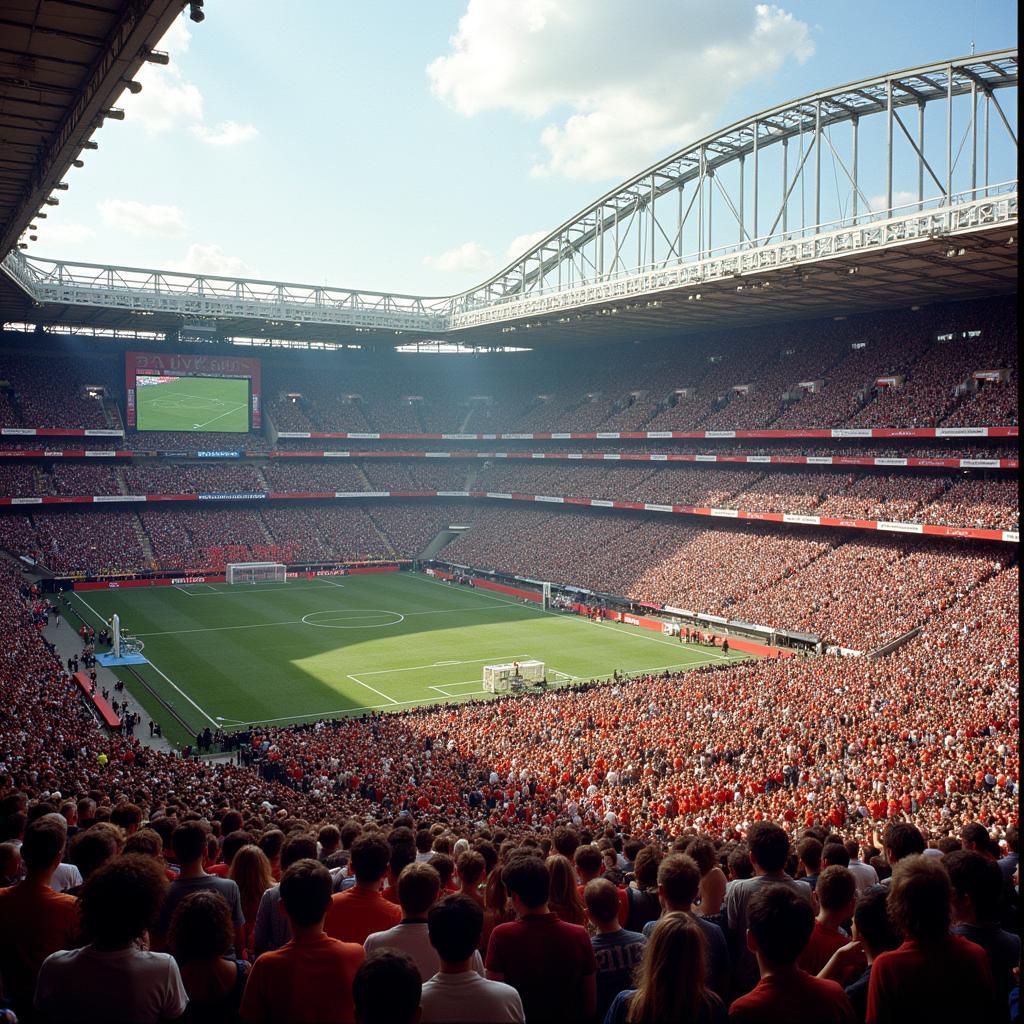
466, 257
227, 133
169, 101
208, 258
522, 244
625, 85
145, 219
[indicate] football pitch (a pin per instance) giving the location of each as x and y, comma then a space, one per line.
193, 403
226, 656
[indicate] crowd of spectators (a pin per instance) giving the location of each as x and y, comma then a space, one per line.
773, 777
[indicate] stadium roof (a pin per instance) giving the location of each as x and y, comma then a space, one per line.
63, 64
639, 263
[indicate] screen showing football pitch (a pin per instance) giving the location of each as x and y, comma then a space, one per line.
192, 403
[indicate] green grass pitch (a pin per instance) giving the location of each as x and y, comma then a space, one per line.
194, 403
297, 651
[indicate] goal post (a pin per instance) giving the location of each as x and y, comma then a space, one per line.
501, 678
255, 572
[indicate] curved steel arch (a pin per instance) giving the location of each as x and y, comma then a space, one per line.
586, 260
700, 161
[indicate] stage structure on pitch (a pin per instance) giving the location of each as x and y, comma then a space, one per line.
513, 676
256, 572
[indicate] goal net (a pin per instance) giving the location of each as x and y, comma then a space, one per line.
500, 678
255, 572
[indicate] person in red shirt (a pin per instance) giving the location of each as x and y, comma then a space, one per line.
309, 978
837, 895
362, 910
35, 921
550, 963
932, 976
779, 925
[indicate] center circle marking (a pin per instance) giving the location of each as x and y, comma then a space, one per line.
353, 618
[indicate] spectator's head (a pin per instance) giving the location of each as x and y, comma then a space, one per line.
127, 817
527, 882
233, 842
43, 846
678, 881
189, 843
297, 847
93, 848
424, 841
1013, 839
779, 925
901, 840
602, 901
306, 889
455, 924
418, 887
121, 900
565, 841
645, 867
10, 863
671, 979
443, 864
975, 836
739, 863
271, 843
977, 886
809, 853
769, 847
201, 927
370, 857
589, 862
835, 854
871, 924
703, 851
329, 838
919, 898
350, 831
386, 989
471, 867
837, 891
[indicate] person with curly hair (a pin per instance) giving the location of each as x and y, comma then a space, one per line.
115, 977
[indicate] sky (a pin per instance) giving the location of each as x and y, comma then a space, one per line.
418, 147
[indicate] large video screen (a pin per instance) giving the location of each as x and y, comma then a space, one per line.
168, 402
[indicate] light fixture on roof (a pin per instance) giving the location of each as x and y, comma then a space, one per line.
852, 270
77, 163
132, 86
156, 57
52, 201
195, 11
61, 186
1011, 240
114, 113
89, 144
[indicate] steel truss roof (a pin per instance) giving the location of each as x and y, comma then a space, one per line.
749, 206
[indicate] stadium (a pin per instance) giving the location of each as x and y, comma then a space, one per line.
671, 568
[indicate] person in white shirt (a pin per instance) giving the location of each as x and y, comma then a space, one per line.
457, 994
419, 885
114, 978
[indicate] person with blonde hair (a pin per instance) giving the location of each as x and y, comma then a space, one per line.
564, 899
671, 983
251, 871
